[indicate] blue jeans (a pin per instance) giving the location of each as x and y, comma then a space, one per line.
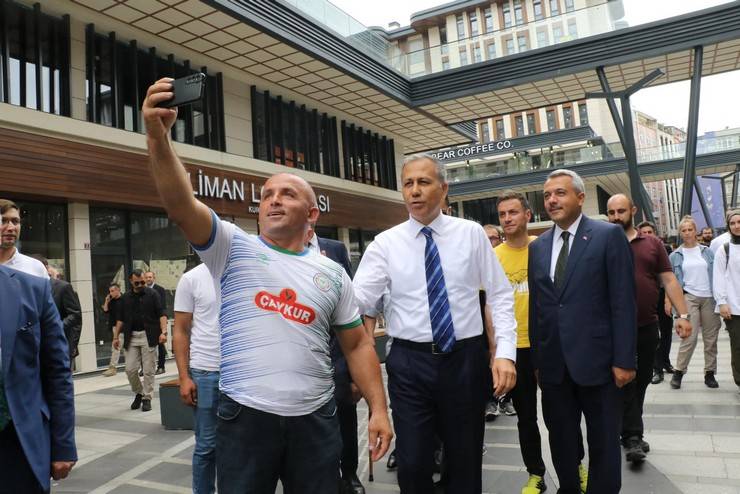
257, 448
204, 454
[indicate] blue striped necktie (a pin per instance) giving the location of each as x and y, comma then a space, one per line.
443, 331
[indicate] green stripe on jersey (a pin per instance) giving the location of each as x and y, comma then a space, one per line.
352, 325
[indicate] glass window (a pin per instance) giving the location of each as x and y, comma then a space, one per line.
416, 51
570, 5
460, 27
542, 38
473, 16
572, 29
489, 20
519, 122
445, 63
20, 31
491, 50
531, 124
568, 117
358, 242
368, 158
485, 132
538, 11
510, 46
551, 120
522, 42
518, 12
476, 53
554, 7
463, 56
44, 232
583, 113
557, 33
506, 9
443, 40
500, 134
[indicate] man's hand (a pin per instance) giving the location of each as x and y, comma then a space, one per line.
504, 376
158, 121
379, 434
623, 376
60, 469
117, 344
724, 311
683, 328
667, 307
188, 392
163, 338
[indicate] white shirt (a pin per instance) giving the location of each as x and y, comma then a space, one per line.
26, 264
726, 279
196, 295
721, 240
695, 272
395, 262
277, 309
557, 243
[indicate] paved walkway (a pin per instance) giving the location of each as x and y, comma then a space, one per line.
694, 434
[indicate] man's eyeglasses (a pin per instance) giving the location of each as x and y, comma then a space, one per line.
138, 283
13, 221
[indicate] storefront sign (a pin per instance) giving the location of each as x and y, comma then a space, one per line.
233, 190
472, 151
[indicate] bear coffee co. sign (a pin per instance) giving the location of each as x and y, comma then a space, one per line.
473, 151
234, 189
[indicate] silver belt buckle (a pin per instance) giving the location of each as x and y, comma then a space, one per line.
436, 350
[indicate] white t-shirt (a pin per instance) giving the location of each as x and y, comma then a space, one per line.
721, 240
726, 278
277, 309
196, 294
26, 264
695, 273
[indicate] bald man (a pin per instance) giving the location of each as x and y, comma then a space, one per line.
279, 303
652, 269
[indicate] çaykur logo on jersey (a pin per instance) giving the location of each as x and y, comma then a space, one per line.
286, 305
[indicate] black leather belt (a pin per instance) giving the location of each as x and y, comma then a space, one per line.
431, 347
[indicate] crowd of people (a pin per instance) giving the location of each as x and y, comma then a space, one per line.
273, 336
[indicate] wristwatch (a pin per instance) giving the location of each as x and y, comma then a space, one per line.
681, 316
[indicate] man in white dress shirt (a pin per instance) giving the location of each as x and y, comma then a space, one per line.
433, 266
10, 232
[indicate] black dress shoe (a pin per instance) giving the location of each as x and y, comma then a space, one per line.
710, 381
137, 402
669, 369
657, 377
391, 465
352, 484
146, 405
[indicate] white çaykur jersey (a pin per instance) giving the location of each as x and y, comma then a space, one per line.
277, 311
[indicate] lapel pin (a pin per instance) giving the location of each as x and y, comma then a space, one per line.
585, 237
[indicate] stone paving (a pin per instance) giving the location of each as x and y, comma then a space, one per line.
694, 435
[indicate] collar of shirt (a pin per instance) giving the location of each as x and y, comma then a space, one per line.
572, 229
313, 243
14, 258
437, 225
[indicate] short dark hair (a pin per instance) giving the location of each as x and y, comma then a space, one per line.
648, 223
114, 284
6, 205
707, 228
507, 195
137, 272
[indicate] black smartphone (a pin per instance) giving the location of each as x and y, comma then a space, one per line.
186, 90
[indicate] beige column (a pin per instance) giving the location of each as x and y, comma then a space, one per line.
77, 69
80, 275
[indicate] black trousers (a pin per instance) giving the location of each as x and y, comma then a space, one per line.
562, 405
161, 355
524, 395
347, 414
665, 324
634, 392
438, 395
15, 472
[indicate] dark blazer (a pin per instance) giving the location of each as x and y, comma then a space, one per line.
152, 311
36, 372
590, 324
68, 305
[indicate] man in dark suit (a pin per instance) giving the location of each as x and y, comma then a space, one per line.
346, 393
582, 330
151, 282
36, 393
68, 305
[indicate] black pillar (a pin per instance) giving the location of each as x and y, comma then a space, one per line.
689, 167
